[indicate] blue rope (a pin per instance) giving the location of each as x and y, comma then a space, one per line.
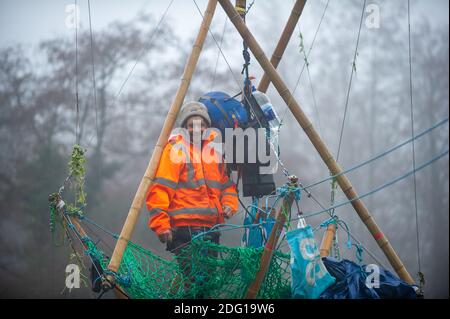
335, 220
329, 221
123, 280
380, 155
359, 253
86, 239
347, 230
254, 208
286, 189
276, 200
378, 188
81, 216
112, 234
258, 208
215, 228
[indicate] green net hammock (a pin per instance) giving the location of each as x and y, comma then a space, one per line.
201, 270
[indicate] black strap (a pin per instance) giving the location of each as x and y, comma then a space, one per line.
221, 109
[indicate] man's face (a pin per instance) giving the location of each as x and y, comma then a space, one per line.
196, 124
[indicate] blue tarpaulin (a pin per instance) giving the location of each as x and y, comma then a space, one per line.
309, 275
364, 282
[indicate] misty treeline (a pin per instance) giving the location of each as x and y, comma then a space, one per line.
119, 122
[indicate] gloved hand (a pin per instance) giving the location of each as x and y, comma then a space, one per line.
165, 236
227, 212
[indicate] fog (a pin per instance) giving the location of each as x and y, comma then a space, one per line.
137, 72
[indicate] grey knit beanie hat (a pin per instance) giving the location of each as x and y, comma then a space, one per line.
193, 109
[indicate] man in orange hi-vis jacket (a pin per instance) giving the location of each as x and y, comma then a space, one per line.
191, 191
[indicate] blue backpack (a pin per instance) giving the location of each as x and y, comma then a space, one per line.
224, 111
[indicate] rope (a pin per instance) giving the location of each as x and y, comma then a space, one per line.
226, 61
218, 52
141, 54
302, 50
93, 68
77, 120
249, 7
364, 248
336, 221
218, 47
351, 78
80, 238
310, 195
90, 221
283, 191
227, 227
92, 252
382, 186
99, 170
98, 239
413, 144
333, 193
388, 151
304, 64
271, 139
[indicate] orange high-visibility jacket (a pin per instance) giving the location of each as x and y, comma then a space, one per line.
189, 189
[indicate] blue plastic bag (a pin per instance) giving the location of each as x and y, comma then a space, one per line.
309, 275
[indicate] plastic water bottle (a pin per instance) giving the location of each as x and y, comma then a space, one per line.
268, 110
301, 223
271, 116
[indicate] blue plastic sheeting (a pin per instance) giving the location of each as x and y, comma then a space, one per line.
309, 275
361, 282
224, 111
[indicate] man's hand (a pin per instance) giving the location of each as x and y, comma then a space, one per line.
165, 236
227, 211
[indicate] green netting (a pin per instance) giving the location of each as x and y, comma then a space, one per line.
201, 270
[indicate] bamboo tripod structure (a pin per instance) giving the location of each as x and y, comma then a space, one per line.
296, 110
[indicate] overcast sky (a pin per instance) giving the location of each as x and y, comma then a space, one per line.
28, 22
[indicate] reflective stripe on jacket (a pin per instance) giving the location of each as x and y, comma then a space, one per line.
189, 189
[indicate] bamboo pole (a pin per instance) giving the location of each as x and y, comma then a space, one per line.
283, 42
327, 240
271, 244
147, 179
320, 146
